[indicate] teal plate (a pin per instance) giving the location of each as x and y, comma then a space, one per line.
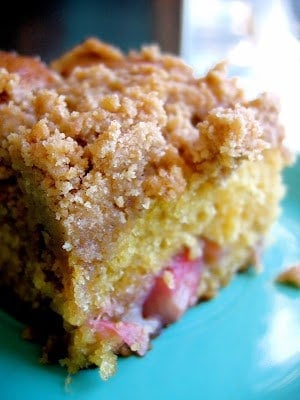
242, 345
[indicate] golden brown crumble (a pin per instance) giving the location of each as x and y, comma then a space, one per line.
290, 276
148, 100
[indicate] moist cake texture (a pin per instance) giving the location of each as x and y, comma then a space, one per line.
130, 191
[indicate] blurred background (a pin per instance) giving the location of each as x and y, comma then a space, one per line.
260, 38
48, 28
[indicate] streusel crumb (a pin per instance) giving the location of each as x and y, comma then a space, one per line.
290, 276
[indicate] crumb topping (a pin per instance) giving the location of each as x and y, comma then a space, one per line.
290, 276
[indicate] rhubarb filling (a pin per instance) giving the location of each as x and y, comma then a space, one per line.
171, 292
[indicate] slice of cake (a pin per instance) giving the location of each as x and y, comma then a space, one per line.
130, 191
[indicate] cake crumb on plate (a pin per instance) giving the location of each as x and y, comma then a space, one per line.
290, 276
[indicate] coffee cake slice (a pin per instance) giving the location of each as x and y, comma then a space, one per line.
130, 191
